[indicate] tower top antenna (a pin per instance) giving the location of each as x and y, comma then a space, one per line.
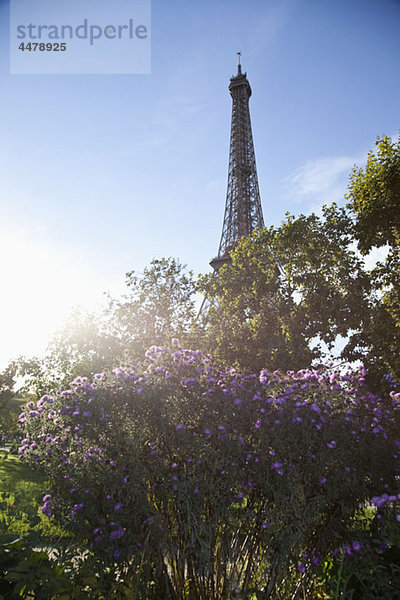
239, 54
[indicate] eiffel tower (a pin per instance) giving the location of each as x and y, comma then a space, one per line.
243, 211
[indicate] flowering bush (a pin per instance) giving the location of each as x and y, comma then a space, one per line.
187, 481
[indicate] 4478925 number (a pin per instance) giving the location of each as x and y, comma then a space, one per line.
43, 47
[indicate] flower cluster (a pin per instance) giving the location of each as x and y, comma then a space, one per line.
143, 460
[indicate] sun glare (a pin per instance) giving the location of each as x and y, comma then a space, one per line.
41, 282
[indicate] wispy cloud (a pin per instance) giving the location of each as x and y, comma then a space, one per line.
323, 180
320, 181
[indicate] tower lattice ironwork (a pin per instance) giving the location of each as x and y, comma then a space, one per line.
243, 211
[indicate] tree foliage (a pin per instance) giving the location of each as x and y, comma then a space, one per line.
7, 382
293, 291
157, 306
287, 290
374, 197
374, 203
9, 406
83, 345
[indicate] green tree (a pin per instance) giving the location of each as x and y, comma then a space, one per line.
374, 197
9, 405
289, 292
292, 290
83, 346
7, 382
374, 203
159, 305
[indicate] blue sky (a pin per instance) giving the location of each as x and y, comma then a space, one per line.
102, 173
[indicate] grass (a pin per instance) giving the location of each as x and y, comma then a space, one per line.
21, 491
29, 542
16, 476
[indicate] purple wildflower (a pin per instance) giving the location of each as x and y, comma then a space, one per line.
276, 465
116, 534
46, 509
302, 567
